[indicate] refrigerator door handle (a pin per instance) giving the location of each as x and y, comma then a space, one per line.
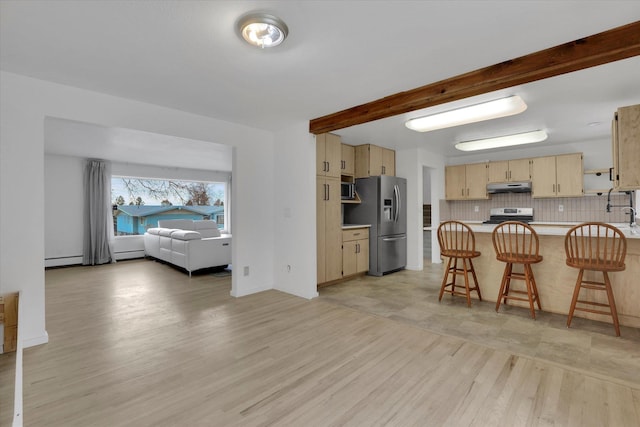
396, 194
393, 239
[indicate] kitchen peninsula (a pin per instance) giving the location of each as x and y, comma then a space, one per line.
556, 280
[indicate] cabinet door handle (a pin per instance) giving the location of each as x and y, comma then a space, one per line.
558, 188
554, 188
506, 175
328, 192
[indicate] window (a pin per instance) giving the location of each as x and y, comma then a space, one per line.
138, 203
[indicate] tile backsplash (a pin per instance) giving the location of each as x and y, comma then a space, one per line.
575, 209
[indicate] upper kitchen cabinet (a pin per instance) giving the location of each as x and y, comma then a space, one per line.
328, 155
372, 160
466, 182
348, 163
510, 170
557, 176
626, 148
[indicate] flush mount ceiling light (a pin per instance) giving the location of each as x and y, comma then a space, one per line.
473, 113
262, 30
503, 141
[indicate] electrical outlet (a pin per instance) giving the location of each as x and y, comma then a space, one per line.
246, 270
560, 208
476, 208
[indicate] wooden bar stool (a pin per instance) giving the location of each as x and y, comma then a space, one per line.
457, 242
595, 246
517, 243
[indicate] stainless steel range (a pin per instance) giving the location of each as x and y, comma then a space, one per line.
500, 215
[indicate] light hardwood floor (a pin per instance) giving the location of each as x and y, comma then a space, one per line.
140, 344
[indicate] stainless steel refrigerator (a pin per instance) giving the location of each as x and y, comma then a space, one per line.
384, 207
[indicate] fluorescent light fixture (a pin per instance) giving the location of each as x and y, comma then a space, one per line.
503, 141
471, 114
262, 30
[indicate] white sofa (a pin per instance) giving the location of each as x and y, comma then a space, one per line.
189, 244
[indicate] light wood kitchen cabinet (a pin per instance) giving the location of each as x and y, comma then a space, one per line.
372, 160
348, 162
557, 176
328, 155
388, 162
466, 182
328, 229
510, 170
355, 251
626, 148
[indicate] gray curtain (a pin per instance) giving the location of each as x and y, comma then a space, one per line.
98, 219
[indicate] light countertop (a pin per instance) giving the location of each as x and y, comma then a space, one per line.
552, 228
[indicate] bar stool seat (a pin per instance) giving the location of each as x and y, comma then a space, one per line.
517, 243
595, 246
458, 243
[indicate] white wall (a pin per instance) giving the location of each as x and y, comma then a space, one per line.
426, 186
296, 211
63, 208
409, 165
24, 105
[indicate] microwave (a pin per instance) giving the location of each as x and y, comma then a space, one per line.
347, 190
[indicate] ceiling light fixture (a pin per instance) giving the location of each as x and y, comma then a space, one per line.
262, 30
503, 141
471, 114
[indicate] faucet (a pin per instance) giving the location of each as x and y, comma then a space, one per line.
609, 200
632, 209
632, 218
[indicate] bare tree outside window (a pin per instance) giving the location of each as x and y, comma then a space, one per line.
138, 203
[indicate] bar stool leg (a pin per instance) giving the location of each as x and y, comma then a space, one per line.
475, 279
612, 303
455, 275
508, 284
445, 278
535, 288
466, 281
574, 300
528, 274
503, 284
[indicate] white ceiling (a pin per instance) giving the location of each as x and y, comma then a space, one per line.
186, 55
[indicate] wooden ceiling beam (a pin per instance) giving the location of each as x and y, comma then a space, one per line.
609, 46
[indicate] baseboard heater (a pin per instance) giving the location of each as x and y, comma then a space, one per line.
77, 259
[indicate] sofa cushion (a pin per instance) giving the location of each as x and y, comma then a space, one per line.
201, 224
186, 235
182, 224
166, 232
154, 230
209, 232
207, 228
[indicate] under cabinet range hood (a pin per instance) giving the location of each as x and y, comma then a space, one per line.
509, 187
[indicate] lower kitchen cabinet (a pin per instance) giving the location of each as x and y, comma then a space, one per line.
355, 251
